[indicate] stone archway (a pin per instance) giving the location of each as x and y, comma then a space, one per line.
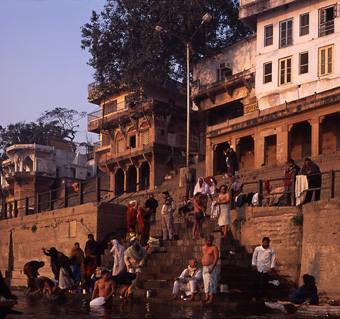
300, 140
245, 150
131, 179
27, 165
330, 136
144, 174
119, 181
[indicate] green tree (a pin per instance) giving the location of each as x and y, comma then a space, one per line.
63, 119
127, 51
58, 123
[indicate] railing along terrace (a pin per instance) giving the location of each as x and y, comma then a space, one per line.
79, 193
90, 191
264, 196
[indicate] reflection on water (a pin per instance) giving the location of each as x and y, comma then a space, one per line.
78, 307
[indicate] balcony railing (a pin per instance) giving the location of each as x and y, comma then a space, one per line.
100, 144
104, 115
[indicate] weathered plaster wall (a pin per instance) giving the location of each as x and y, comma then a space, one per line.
315, 247
321, 245
276, 223
22, 238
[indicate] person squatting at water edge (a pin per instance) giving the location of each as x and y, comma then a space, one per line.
210, 271
263, 263
189, 281
128, 282
134, 258
306, 293
31, 271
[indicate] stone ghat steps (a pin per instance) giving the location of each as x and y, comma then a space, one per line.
174, 256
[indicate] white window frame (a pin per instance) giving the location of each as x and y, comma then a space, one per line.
303, 27
268, 38
284, 31
287, 71
326, 61
303, 65
269, 74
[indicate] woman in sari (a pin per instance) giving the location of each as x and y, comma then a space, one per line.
117, 251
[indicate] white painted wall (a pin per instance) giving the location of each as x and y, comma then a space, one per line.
271, 94
241, 55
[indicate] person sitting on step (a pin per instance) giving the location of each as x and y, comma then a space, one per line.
189, 280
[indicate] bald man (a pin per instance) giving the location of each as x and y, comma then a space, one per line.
189, 280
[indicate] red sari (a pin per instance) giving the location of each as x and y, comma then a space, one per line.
131, 216
141, 222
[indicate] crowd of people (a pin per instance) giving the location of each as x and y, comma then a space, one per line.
81, 269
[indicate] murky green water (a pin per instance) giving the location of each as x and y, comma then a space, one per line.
78, 307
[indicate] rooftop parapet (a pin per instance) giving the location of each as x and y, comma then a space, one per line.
250, 9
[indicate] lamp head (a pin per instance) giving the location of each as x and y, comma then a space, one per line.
206, 18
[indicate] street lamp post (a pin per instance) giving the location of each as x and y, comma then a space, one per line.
205, 19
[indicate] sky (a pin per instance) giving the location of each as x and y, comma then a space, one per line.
41, 63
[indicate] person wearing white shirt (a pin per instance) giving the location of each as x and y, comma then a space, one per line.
189, 280
263, 263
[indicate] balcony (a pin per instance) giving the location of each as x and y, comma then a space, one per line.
110, 115
98, 118
227, 84
126, 155
101, 146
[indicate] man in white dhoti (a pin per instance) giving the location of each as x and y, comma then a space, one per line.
189, 280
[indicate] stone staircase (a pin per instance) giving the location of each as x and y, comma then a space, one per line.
174, 256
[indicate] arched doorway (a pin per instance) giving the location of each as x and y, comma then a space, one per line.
219, 158
300, 140
27, 165
144, 174
119, 181
131, 179
245, 151
330, 136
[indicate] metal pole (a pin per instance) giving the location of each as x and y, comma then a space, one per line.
188, 102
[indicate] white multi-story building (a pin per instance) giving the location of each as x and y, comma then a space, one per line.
297, 44
293, 110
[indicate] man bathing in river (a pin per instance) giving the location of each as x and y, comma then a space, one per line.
209, 262
104, 287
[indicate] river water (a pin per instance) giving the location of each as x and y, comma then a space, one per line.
78, 307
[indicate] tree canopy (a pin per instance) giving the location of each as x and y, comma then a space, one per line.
127, 51
58, 123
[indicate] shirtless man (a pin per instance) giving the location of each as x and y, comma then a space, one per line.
210, 269
104, 287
